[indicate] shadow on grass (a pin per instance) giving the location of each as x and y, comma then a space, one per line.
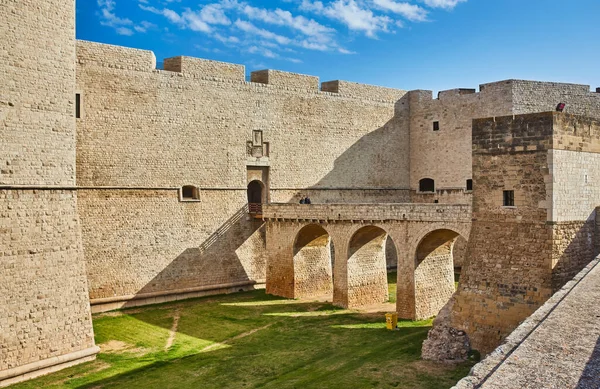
252, 340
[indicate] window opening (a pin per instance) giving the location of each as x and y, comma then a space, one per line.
436, 126
509, 198
77, 106
426, 185
189, 192
469, 184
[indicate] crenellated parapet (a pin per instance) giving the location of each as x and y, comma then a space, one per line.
128, 59
285, 79
203, 68
353, 89
118, 57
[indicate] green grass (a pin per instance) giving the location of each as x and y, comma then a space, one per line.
297, 344
391, 278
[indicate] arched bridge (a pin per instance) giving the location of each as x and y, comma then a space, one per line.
341, 249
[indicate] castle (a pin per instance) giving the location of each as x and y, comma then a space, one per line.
124, 185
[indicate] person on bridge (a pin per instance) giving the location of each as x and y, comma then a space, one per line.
302, 200
307, 200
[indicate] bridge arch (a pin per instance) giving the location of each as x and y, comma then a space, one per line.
434, 270
366, 267
313, 262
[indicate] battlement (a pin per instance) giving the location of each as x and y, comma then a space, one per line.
197, 67
285, 79
117, 57
533, 132
353, 89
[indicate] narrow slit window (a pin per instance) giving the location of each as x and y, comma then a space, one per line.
436, 126
469, 184
509, 198
78, 105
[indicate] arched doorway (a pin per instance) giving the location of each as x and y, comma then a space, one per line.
256, 196
367, 270
313, 262
434, 272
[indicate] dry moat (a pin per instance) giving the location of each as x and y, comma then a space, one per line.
252, 340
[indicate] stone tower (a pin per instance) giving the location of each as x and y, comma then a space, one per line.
536, 188
45, 321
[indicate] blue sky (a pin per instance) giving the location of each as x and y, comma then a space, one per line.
419, 44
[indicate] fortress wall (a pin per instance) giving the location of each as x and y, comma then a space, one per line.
44, 308
535, 96
196, 67
575, 169
315, 139
116, 57
362, 91
45, 318
445, 155
37, 102
508, 273
156, 131
286, 79
146, 241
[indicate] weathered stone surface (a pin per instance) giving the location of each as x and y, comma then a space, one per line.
519, 255
444, 343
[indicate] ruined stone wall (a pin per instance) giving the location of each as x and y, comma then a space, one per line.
45, 320
156, 131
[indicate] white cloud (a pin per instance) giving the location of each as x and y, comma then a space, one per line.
124, 31
446, 4
352, 14
260, 32
110, 19
195, 22
144, 26
226, 39
214, 14
409, 11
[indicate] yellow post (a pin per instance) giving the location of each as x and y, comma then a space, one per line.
391, 320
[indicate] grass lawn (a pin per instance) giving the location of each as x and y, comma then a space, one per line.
252, 340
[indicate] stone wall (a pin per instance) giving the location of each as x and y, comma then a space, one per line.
45, 321
535, 96
508, 273
445, 155
139, 242
519, 255
575, 169
207, 114
44, 308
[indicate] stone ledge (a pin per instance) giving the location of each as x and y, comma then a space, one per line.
46, 366
112, 303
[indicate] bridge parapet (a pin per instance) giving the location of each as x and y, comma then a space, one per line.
370, 212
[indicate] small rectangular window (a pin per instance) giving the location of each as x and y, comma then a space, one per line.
436, 126
509, 198
469, 184
77, 105
189, 192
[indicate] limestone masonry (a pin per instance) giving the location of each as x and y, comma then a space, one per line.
123, 185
